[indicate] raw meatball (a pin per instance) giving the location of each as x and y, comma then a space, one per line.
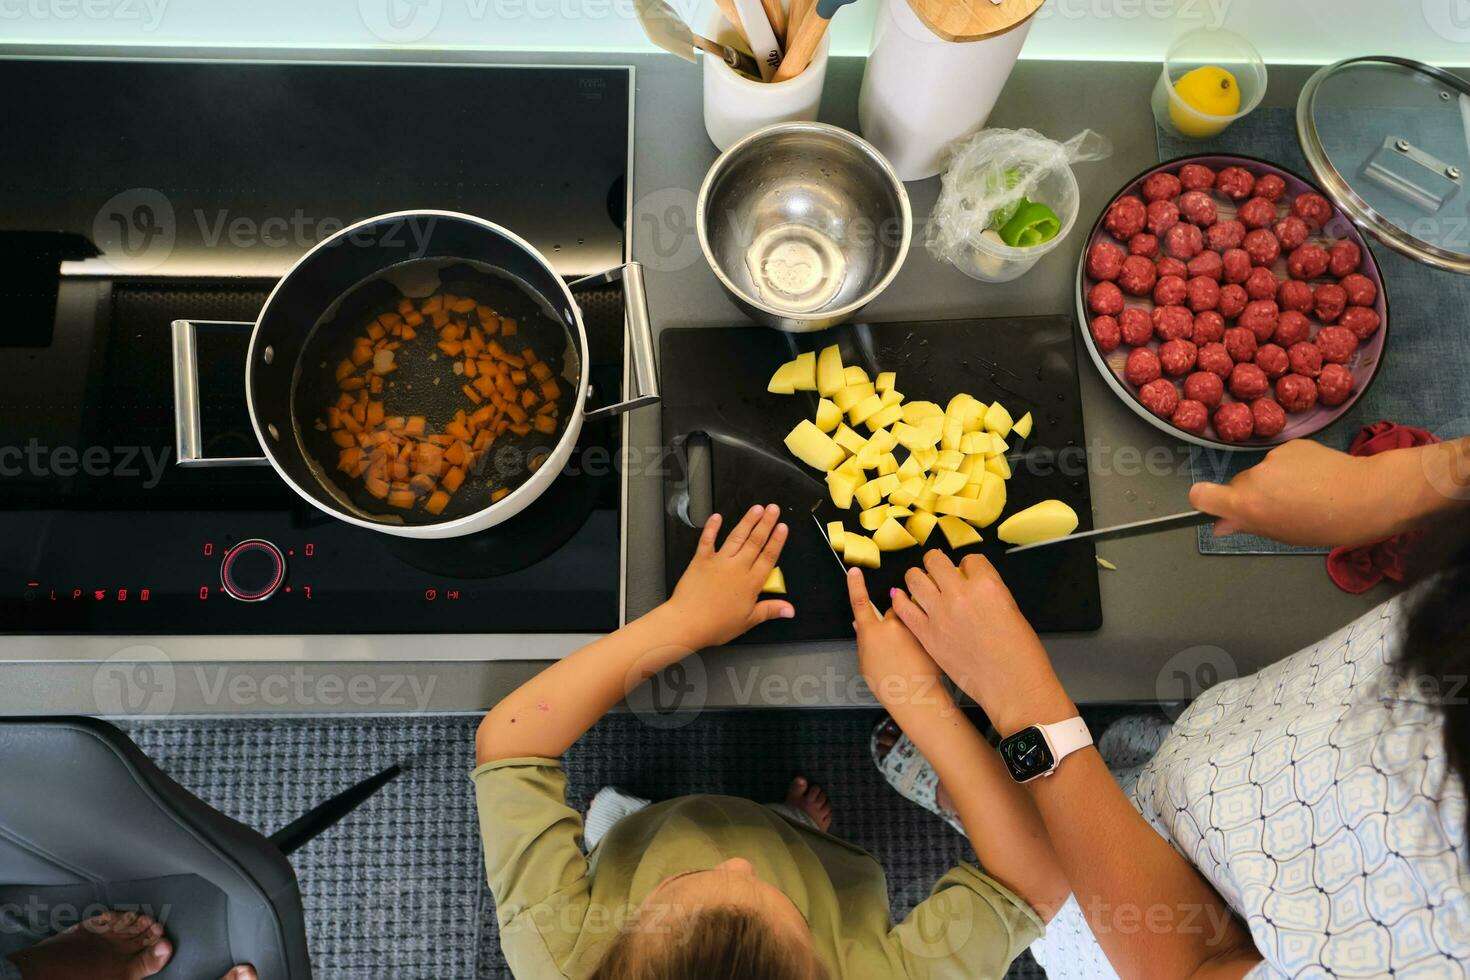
1160, 397
1361, 320
1260, 284
1104, 261
1177, 357
1334, 385
1257, 213
1143, 366
1294, 295
1173, 323
1343, 257
1215, 359
1232, 300
1233, 422
1190, 416
1184, 241
1338, 344
1307, 261
1269, 417
1261, 246
1137, 277
1162, 215
1272, 359
1247, 381
1198, 208
1144, 244
1271, 187
1306, 360
1292, 327
1235, 265
1105, 298
1314, 209
1204, 387
1137, 326
1296, 393
1203, 293
1162, 187
1260, 318
1359, 288
1328, 301
1207, 264
1196, 177
1167, 265
1240, 344
1291, 231
1235, 183
1169, 291
1209, 326
1106, 333
1126, 218
1225, 234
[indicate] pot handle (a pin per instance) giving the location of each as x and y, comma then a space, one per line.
188, 437
643, 378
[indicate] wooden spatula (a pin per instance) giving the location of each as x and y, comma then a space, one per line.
804, 31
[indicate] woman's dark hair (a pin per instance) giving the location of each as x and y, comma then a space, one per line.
720, 943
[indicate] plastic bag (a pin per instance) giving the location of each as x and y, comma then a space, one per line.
988, 177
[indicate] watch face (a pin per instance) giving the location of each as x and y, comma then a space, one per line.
1027, 755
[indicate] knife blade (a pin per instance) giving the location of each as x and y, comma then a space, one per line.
1189, 518
822, 530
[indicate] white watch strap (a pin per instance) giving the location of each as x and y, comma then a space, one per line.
1066, 737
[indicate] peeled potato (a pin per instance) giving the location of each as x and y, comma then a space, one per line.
783, 382
804, 372
884, 417
854, 375
829, 372
835, 534
1022, 428
860, 550
998, 420
841, 486
1039, 522
775, 582
891, 536
829, 416
846, 398
947, 484
921, 525
958, 533
814, 447
873, 518
885, 381
849, 438
998, 466
868, 496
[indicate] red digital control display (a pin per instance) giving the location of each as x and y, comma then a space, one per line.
252, 570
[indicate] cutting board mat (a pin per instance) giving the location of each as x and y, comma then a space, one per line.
714, 396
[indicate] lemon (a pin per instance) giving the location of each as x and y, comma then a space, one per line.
1210, 91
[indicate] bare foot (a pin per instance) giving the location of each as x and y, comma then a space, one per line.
808, 797
110, 946
887, 738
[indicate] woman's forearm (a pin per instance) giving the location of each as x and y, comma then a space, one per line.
1431, 481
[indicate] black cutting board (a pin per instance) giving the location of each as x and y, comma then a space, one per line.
714, 395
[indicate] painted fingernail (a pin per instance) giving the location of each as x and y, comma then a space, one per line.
892, 592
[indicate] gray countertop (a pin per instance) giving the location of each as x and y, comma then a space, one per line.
1173, 619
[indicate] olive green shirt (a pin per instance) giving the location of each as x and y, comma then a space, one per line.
558, 910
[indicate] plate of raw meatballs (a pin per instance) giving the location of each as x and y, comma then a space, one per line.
1230, 303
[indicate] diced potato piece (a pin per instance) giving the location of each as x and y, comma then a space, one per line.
998, 446
998, 466
975, 511
885, 441
968, 464
849, 439
899, 513
887, 484
887, 463
868, 496
846, 398
910, 468
890, 397
926, 500
914, 437
869, 455
891, 536
873, 518
829, 372
908, 491
885, 417
842, 486
864, 410
992, 498
913, 412
948, 459
783, 382
973, 442
921, 525
1039, 522
775, 582
829, 416
998, 420
971, 490
958, 533
885, 381
804, 372
854, 375
814, 447
860, 550
948, 484
974, 415
835, 533
1022, 428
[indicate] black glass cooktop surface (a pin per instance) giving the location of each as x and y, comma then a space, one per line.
166, 191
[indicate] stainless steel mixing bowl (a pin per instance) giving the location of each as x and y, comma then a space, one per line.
803, 224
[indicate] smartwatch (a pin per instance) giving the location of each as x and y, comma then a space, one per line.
1037, 751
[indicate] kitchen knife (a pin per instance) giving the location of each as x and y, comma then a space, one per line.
822, 530
1190, 518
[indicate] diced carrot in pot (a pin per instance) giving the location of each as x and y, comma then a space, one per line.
453, 478
438, 500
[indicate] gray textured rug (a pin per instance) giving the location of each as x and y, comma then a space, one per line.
397, 888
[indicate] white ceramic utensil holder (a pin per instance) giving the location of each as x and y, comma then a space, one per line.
735, 106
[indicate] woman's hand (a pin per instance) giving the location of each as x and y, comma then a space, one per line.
894, 665
1304, 493
718, 597
968, 622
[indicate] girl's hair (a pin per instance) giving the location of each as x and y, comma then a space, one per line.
720, 943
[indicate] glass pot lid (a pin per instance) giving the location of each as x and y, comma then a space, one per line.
1389, 141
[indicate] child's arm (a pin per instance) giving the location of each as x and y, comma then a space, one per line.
715, 601
1000, 818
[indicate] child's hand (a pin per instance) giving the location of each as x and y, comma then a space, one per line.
897, 669
716, 600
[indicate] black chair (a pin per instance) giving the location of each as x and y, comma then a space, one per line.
89, 823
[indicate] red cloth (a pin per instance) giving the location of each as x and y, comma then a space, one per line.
1358, 569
